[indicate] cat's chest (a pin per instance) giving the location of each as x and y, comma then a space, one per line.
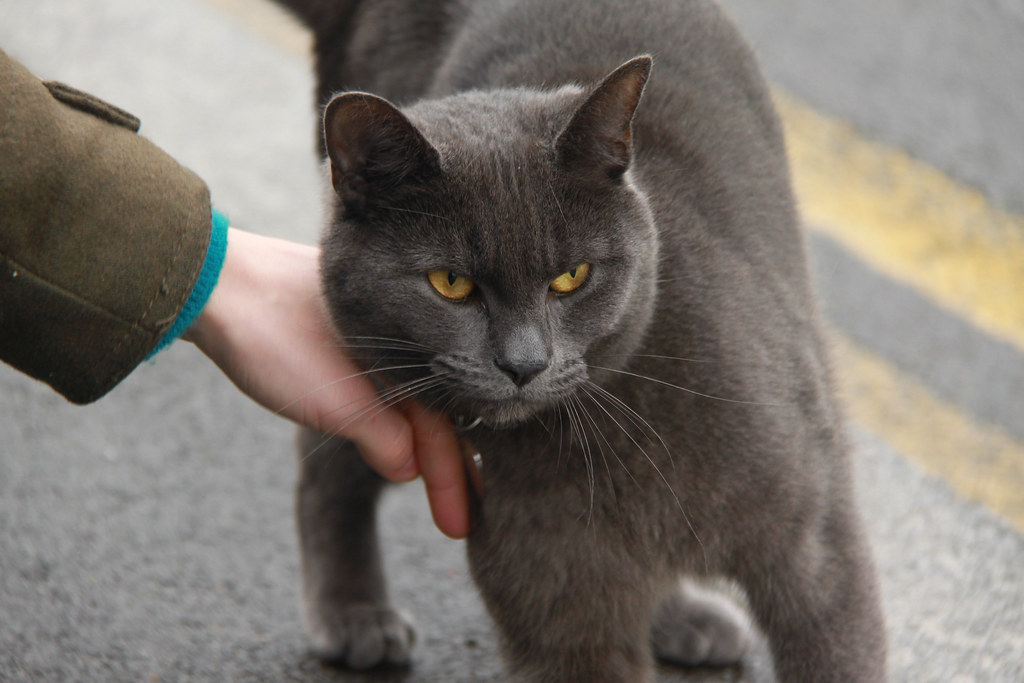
594, 451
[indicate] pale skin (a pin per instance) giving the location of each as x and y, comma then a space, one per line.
266, 327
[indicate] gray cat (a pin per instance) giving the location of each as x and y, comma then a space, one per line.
604, 272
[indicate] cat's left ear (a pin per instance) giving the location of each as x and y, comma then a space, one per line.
598, 141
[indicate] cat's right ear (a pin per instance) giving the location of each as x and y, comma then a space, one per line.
374, 150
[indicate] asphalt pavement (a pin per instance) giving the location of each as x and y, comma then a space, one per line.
941, 78
150, 536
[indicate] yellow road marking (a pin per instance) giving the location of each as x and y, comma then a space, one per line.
980, 461
909, 220
919, 227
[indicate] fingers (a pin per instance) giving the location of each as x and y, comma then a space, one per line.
401, 444
352, 407
386, 442
439, 455
349, 406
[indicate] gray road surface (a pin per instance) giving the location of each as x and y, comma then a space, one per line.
150, 537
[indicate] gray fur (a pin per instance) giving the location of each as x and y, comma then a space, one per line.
673, 416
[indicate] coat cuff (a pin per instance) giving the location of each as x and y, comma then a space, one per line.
207, 280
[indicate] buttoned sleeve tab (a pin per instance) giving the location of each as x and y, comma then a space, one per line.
90, 104
102, 236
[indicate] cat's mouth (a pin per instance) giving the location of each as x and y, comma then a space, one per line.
496, 415
501, 413
480, 395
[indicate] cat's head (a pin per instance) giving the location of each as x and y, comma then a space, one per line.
488, 248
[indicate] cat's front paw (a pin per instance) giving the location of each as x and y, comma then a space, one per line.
700, 628
363, 637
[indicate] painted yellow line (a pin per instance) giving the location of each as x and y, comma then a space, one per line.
909, 220
980, 461
919, 227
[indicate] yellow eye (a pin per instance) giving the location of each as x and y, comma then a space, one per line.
570, 281
450, 285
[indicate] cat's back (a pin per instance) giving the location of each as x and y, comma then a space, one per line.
408, 49
541, 43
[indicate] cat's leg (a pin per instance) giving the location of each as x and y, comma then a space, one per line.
699, 627
568, 608
349, 617
817, 602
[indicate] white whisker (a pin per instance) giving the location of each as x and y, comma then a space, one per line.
418, 213
389, 340
382, 402
654, 356
660, 474
335, 382
626, 469
634, 417
687, 390
573, 406
601, 437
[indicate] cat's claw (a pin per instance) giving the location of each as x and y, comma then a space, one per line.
700, 628
363, 637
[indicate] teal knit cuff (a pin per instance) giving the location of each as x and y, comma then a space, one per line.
204, 285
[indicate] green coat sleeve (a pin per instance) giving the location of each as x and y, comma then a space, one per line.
102, 236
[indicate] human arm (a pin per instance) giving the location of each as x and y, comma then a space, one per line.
102, 240
102, 237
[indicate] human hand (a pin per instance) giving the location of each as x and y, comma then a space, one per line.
266, 326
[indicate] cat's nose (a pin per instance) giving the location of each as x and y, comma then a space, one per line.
522, 351
521, 371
